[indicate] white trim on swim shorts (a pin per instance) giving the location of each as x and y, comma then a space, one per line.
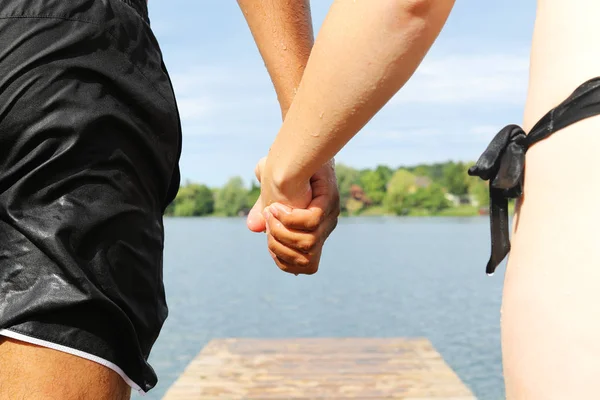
73, 352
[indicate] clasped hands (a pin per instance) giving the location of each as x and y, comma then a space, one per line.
297, 218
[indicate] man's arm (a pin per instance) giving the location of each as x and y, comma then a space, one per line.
282, 30
365, 52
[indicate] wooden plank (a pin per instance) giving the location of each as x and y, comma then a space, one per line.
345, 368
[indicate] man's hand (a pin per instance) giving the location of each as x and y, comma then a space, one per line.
296, 236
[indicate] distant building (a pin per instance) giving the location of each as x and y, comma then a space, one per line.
462, 200
357, 193
422, 182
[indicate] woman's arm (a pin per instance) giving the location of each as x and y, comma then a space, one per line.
364, 53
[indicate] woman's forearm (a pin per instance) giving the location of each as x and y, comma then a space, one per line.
364, 53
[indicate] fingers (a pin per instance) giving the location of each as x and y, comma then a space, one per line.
296, 236
306, 220
291, 261
302, 241
293, 252
298, 251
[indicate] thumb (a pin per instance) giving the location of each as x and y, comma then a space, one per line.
256, 221
259, 168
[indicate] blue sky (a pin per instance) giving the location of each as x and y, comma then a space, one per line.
471, 84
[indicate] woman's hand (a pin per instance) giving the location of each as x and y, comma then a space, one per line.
296, 234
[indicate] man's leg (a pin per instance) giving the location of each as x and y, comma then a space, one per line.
29, 372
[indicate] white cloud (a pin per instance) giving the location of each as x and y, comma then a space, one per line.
223, 99
485, 130
193, 79
191, 108
492, 79
231, 100
399, 135
428, 135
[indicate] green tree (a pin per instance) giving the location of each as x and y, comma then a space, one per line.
253, 193
232, 198
431, 199
185, 208
422, 170
481, 192
170, 210
455, 178
193, 200
346, 177
478, 188
385, 172
399, 188
373, 183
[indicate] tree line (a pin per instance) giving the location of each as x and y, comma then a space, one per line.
425, 189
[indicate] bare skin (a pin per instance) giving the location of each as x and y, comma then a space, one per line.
282, 30
53, 375
366, 51
283, 33
551, 302
551, 305
30, 373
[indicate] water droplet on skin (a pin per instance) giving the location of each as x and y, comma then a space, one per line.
315, 134
321, 116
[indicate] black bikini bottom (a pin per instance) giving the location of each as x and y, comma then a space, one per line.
503, 162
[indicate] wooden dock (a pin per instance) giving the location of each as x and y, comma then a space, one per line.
255, 369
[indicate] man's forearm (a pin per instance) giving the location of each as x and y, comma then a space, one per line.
283, 33
364, 53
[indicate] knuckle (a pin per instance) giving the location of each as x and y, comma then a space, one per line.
303, 262
316, 220
337, 210
308, 245
335, 199
283, 267
281, 264
320, 216
312, 270
334, 224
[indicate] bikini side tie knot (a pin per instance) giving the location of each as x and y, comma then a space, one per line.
503, 162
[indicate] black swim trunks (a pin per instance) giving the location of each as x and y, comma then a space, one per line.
90, 140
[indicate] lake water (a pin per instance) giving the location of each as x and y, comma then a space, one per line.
379, 277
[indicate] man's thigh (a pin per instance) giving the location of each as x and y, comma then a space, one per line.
89, 145
31, 372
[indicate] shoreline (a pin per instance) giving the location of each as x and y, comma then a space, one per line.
456, 212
